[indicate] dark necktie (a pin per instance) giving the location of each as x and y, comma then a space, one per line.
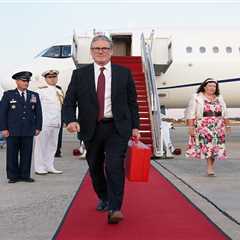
101, 93
23, 96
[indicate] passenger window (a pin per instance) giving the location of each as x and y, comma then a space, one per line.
66, 51
189, 49
53, 52
202, 49
228, 49
216, 49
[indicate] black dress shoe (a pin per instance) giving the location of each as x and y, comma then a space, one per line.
102, 206
58, 155
27, 180
12, 180
114, 217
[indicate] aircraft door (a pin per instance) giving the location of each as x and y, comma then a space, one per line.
80, 50
122, 45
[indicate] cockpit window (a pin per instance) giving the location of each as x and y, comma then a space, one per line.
61, 51
53, 52
66, 51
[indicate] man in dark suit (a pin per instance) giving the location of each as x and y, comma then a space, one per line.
20, 120
108, 115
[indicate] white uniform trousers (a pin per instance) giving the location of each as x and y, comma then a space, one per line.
45, 148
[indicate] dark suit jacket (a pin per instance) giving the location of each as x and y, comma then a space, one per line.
81, 93
19, 117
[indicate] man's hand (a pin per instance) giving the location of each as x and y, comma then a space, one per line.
5, 133
136, 134
37, 132
73, 127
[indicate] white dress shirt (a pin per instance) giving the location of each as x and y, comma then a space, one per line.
108, 82
25, 94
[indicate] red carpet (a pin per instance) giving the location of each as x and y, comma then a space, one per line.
153, 210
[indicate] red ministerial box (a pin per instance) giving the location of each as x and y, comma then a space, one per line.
138, 161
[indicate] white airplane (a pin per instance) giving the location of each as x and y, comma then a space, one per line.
1, 92
182, 59
57, 56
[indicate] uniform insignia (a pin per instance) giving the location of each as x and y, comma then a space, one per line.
33, 99
60, 96
33, 106
13, 106
13, 101
41, 87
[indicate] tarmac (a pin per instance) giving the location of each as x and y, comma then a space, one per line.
33, 211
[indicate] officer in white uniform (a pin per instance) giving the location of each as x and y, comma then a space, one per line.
46, 143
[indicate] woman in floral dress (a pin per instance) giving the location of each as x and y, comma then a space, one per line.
207, 122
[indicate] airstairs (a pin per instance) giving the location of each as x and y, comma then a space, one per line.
135, 65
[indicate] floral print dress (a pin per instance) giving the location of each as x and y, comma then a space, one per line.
209, 140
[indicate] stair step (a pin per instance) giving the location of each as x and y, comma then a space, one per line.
145, 126
141, 98
141, 92
146, 134
146, 129
145, 121
138, 74
140, 87
140, 78
142, 101
143, 108
133, 67
144, 114
143, 104
138, 83
126, 59
146, 140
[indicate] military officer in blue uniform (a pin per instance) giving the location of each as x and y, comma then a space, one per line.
20, 121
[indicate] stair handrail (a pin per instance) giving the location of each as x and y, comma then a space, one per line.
154, 98
151, 39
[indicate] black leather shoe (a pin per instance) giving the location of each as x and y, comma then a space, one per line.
102, 206
27, 180
58, 155
12, 180
114, 217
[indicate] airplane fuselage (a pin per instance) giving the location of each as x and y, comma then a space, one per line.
195, 55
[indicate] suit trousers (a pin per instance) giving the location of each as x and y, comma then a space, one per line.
105, 157
19, 146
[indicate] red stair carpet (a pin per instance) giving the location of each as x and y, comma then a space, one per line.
135, 65
152, 211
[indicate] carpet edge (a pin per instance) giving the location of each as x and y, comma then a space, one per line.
69, 207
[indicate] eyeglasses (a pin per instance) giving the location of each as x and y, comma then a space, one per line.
98, 49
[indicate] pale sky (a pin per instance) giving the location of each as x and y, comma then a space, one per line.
28, 28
